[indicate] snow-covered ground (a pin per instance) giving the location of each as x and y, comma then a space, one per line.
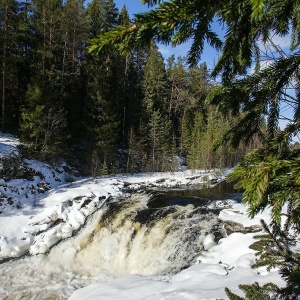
39, 212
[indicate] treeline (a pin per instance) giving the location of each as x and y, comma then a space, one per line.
107, 113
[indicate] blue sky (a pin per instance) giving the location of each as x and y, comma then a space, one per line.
209, 55
133, 6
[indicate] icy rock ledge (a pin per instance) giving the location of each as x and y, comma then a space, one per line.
47, 230
231, 227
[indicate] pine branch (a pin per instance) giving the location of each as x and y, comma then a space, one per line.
253, 292
232, 296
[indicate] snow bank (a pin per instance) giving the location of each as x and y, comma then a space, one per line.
238, 213
204, 281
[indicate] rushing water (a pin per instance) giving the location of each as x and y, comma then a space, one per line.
157, 235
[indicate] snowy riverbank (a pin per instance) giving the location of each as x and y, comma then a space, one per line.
38, 212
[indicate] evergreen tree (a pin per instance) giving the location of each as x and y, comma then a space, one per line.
134, 156
102, 94
253, 292
8, 51
197, 143
124, 18
155, 88
49, 46
160, 142
177, 73
155, 83
186, 132
44, 99
25, 63
72, 86
125, 85
43, 125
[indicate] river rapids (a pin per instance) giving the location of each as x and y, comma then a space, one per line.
123, 237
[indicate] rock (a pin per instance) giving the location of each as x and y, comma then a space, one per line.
10, 201
41, 190
86, 202
231, 227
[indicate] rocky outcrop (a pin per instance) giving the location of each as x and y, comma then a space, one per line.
231, 227
14, 168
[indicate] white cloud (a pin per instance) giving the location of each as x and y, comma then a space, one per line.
283, 41
165, 50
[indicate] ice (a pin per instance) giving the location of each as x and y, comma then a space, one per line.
209, 241
229, 249
14, 247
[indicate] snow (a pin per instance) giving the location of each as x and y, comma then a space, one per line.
44, 219
239, 213
8, 144
198, 282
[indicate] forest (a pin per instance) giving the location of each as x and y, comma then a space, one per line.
105, 113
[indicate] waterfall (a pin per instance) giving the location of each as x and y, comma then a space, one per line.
130, 238
124, 237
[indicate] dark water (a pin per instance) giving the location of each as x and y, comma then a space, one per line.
199, 196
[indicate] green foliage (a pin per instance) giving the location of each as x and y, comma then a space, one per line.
151, 2
276, 249
257, 8
160, 143
253, 292
269, 181
155, 128
172, 22
44, 131
12, 63
155, 81
43, 125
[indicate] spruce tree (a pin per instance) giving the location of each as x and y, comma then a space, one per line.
47, 16
25, 62
45, 99
155, 121
74, 29
102, 91
43, 125
155, 83
177, 73
8, 55
195, 155
160, 142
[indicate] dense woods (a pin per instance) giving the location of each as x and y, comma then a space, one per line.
106, 113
